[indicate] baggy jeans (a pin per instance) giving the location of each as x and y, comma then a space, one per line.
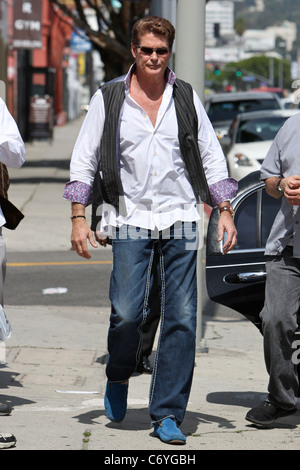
130, 286
279, 322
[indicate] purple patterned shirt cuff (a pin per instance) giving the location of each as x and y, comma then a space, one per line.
223, 190
77, 191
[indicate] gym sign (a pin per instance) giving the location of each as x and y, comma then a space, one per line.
27, 24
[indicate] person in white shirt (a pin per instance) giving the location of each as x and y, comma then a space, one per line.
12, 154
158, 210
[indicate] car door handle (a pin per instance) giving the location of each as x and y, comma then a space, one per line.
245, 278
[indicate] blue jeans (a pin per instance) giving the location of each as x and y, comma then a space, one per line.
131, 282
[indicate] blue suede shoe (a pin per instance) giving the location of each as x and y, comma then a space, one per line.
115, 401
168, 432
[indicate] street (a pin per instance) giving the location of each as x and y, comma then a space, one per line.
65, 279
58, 305
58, 278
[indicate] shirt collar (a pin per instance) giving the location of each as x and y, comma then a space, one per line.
170, 74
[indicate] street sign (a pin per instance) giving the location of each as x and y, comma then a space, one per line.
249, 78
27, 26
80, 42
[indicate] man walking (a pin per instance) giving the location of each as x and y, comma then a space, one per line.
139, 134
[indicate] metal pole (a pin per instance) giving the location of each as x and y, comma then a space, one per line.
190, 66
190, 43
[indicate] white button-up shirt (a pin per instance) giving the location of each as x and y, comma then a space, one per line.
12, 148
157, 189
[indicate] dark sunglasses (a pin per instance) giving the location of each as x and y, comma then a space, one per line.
149, 50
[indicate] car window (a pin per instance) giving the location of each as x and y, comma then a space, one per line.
224, 111
257, 130
245, 222
253, 218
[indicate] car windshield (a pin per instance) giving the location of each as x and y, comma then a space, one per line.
258, 130
227, 110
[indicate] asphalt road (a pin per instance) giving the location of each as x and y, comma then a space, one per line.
58, 278
62, 278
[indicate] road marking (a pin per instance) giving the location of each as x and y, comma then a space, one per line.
56, 263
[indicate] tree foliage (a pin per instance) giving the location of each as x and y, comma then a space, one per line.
257, 67
260, 66
111, 36
240, 25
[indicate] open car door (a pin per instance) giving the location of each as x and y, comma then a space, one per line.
237, 279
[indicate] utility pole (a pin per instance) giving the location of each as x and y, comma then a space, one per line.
190, 66
190, 43
166, 9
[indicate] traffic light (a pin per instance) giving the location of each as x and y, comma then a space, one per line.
217, 71
238, 73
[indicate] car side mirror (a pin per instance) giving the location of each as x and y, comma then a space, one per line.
226, 139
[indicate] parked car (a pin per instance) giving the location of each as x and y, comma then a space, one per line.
279, 91
249, 139
222, 108
237, 279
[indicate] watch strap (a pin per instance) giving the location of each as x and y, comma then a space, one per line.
227, 209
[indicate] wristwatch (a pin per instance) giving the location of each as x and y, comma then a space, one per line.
278, 187
228, 209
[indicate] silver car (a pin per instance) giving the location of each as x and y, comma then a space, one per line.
249, 139
222, 108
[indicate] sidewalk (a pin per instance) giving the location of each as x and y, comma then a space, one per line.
55, 371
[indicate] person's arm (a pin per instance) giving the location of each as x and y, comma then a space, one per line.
84, 164
12, 148
226, 225
272, 188
271, 171
289, 188
81, 231
222, 188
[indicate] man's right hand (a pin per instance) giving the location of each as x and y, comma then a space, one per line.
291, 189
81, 232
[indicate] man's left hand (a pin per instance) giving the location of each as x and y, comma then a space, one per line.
226, 224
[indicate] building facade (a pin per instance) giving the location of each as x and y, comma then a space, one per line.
219, 19
34, 43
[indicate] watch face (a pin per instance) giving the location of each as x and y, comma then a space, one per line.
226, 209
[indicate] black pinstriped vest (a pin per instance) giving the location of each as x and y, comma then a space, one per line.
109, 187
